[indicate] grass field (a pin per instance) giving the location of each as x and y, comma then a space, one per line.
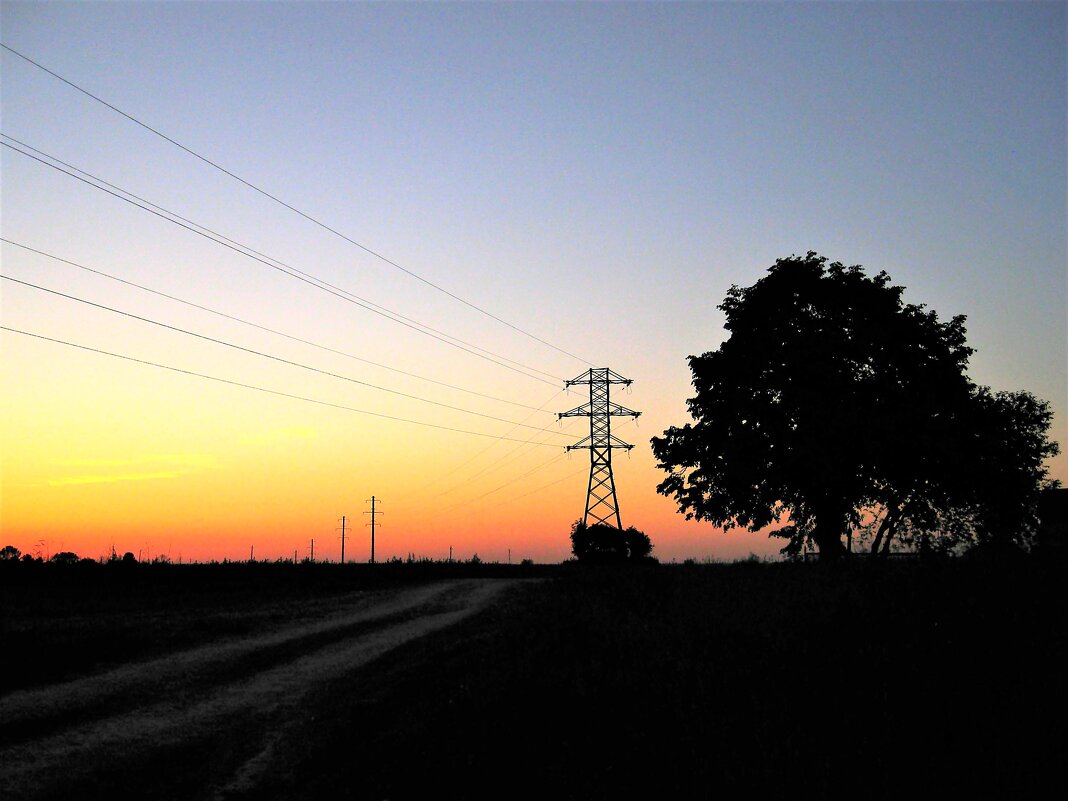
788, 680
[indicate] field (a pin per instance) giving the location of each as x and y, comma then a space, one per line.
479, 681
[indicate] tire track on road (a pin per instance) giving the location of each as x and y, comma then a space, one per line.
272, 693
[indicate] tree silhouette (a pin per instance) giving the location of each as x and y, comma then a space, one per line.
601, 543
997, 490
9, 553
638, 543
832, 399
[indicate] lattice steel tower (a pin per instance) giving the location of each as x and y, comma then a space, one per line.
601, 502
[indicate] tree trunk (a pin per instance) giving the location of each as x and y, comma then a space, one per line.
885, 525
831, 548
893, 528
828, 537
886, 542
829, 517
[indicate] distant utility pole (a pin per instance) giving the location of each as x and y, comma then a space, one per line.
251, 551
601, 503
312, 558
374, 514
342, 539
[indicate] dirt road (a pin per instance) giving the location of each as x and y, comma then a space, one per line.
227, 706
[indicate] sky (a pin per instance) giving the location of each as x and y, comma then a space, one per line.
596, 176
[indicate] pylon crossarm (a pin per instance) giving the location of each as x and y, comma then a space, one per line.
602, 376
586, 442
580, 411
587, 410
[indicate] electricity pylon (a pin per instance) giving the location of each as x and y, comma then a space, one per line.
601, 502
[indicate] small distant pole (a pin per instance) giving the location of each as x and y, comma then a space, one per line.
312, 549
450, 553
342, 539
374, 513
509, 556
251, 551
294, 556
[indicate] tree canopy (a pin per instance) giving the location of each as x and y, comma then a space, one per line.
834, 403
604, 543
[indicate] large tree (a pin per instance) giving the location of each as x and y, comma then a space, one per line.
833, 400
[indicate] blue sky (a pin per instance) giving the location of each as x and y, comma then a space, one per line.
598, 174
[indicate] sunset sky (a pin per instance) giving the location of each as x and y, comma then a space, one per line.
594, 175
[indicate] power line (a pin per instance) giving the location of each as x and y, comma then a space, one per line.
490, 466
542, 466
552, 460
526, 494
472, 458
543, 487
281, 202
269, 356
282, 267
276, 264
276, 332
266, 390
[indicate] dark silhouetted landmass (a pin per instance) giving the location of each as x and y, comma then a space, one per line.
883, 680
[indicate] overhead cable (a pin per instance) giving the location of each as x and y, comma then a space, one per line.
542, 466
543, 487
293, 272
281, 202
513, 480
489, 466
226, 316
251, 386
277, 264
279, 359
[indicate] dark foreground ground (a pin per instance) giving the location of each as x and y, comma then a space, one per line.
673, 681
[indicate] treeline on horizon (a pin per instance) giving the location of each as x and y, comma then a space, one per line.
9, 555
24, 579
1047, 544
69, 574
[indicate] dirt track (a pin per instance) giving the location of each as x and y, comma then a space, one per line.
242, 691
